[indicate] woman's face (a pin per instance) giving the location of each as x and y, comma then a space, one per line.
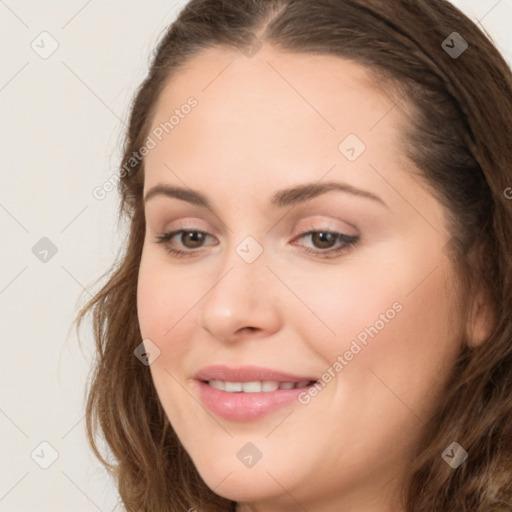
273, 146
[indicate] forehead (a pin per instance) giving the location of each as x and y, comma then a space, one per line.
271, 111
301, 79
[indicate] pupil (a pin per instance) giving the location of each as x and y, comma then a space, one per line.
326, 239
194, 234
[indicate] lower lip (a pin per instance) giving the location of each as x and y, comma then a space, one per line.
246, 406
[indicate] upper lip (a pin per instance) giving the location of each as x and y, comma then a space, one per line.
247, 374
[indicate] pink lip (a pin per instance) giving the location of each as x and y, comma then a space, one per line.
247, 374
246, 406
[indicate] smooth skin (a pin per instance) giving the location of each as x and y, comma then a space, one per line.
262, 124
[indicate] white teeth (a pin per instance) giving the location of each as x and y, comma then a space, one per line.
217, 384
256, 386
270, 385
233, 386
251, 387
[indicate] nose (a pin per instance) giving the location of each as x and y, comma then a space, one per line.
242, 300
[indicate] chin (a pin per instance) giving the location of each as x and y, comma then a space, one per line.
228, 477
244, 488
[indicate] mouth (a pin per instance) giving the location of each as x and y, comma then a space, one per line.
249, 392
261, 386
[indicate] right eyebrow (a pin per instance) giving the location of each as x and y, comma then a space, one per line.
189, 195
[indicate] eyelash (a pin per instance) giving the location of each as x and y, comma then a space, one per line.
348, 243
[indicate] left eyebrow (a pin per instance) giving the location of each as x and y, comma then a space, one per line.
280, 199
301, 193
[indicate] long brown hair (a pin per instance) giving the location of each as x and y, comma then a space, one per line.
459, 126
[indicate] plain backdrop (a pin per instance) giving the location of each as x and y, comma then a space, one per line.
61, 126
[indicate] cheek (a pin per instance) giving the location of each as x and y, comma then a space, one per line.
163, 297
163, 302
426, 340
395, 331
150, 308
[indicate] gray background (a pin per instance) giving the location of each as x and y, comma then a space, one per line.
61, 121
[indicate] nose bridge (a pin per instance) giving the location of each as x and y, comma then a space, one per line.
241, 273
239, 296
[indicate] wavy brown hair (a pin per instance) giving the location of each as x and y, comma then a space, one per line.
458, 135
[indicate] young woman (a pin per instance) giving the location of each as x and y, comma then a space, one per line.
314, 308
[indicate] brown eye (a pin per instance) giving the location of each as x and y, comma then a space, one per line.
328, 244
324, 239
192, 239
187, 239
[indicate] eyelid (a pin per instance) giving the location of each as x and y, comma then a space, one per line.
320, 223
306, 221
348, 242
312, 223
